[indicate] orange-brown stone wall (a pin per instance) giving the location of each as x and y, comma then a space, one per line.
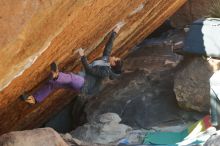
36, 32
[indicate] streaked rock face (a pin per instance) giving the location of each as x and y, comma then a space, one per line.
35, 33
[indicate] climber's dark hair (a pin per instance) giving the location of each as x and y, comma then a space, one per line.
117, 68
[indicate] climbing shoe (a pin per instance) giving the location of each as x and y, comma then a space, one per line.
54, 70
28, 98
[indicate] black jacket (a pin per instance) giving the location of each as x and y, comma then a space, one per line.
96, 74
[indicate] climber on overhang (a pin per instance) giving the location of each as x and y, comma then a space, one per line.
88, 84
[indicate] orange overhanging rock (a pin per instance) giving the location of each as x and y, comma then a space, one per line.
35, 33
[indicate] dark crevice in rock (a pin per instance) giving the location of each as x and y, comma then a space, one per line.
62, 122
78, 113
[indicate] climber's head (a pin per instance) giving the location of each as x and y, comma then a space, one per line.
116, 64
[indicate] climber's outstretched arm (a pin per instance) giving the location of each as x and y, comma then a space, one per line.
108, 47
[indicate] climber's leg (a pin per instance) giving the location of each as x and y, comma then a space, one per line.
64, 80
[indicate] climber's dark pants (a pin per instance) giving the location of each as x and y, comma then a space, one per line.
64, 80
214, 97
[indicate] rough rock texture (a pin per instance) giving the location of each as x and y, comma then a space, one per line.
191, 83
144, 91
33, 34
106, 130
133, 137
36, 137
191, 11
103, 130
214, 140
76, 142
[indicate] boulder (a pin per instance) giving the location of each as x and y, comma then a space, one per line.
109, 118
34, 34
36, 137
214, 140
191, 84
191, 11
106, 129
76, 142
